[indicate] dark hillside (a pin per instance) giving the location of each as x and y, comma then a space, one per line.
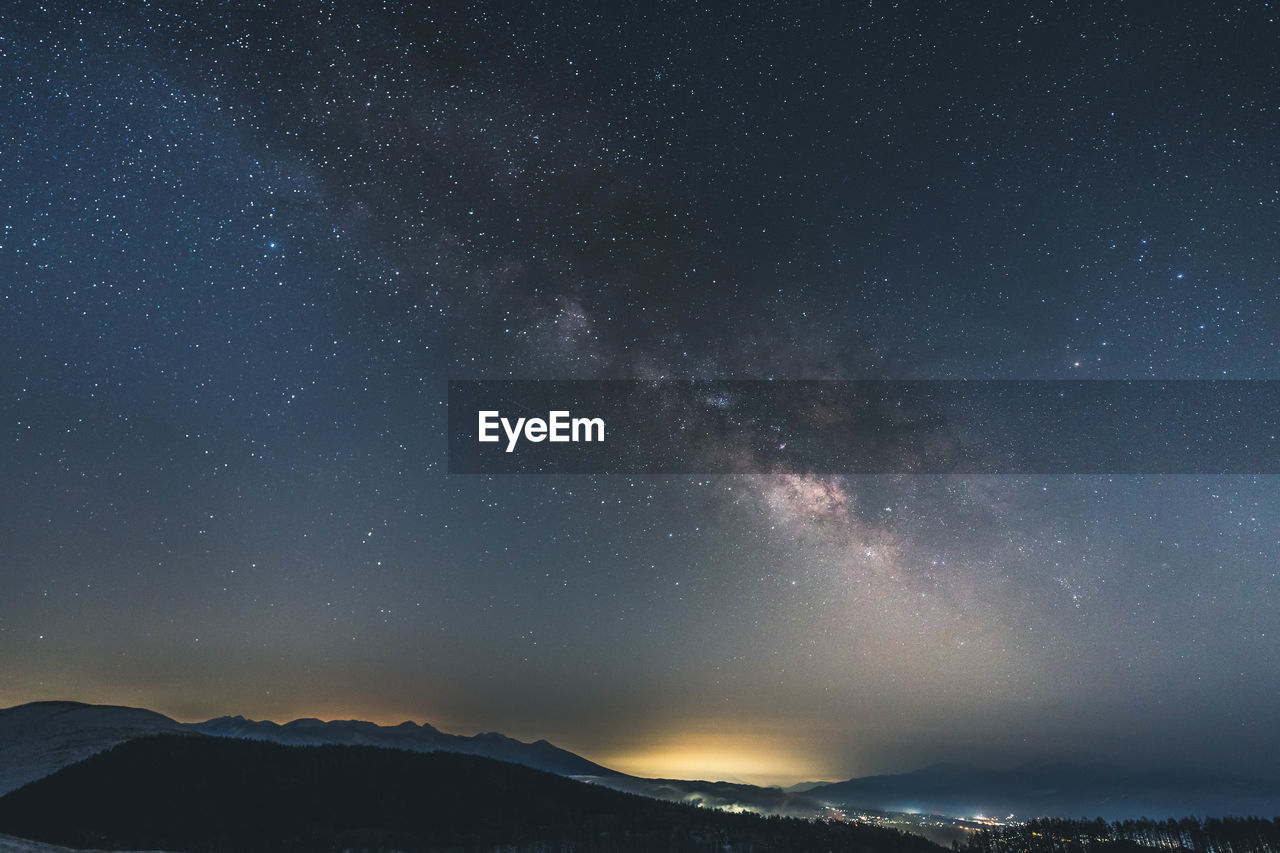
195, 793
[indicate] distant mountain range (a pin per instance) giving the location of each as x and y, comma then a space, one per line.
42, 737
539, 755
194, 792
38, 738
1064, 790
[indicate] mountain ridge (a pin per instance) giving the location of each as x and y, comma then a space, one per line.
190, 792
1112, 791
38, 738
310, 731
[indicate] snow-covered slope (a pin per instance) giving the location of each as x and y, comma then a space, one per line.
10, 844
40, 737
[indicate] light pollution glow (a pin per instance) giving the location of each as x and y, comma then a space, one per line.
725, 751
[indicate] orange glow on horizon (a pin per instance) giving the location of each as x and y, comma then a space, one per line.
751, 756
753, 752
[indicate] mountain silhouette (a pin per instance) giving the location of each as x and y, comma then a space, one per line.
1067, 790
40, 737
415, 737
193, 792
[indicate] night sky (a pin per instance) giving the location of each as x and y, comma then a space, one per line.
243, 248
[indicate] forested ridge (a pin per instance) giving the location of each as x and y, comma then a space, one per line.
1055, 835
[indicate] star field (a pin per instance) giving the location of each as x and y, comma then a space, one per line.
243, 247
